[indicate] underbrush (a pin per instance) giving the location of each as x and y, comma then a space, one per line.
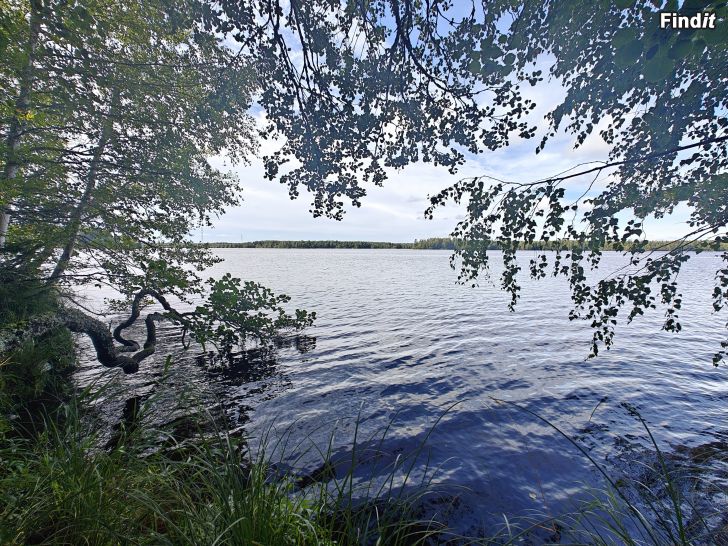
36, 354
58, 486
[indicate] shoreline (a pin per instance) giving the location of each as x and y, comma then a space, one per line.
444, 243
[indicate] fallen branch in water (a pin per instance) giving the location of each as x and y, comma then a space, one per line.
231, 315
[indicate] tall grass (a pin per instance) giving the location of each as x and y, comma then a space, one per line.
653, 508
59, 486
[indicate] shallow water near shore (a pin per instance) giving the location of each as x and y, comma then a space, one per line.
397, 340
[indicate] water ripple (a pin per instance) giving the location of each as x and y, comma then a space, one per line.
397, 339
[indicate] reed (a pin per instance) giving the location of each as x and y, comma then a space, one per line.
59, 486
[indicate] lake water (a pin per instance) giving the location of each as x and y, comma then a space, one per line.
397, 340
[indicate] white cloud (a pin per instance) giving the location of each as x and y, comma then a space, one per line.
395, 212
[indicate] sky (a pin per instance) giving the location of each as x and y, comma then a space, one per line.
395, 212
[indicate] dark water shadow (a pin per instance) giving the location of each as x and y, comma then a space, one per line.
251, 365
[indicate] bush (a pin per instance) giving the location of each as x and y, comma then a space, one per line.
36, 353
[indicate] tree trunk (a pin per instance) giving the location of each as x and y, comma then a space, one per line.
106, 351
22, 106
74, 226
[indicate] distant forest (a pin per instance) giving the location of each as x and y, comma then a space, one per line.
448, 243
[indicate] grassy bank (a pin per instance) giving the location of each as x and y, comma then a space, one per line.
59, 486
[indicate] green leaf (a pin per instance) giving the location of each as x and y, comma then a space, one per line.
624, 36
489, 50
626, 55
658, 68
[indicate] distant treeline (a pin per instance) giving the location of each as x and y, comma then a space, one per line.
438, 243
448, 243
310, 244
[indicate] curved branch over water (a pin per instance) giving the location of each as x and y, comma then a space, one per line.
233, 312
107, 352
131, 345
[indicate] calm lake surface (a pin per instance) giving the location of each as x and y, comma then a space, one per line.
397, 340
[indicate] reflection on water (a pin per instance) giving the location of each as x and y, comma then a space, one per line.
398, 341
251, 365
